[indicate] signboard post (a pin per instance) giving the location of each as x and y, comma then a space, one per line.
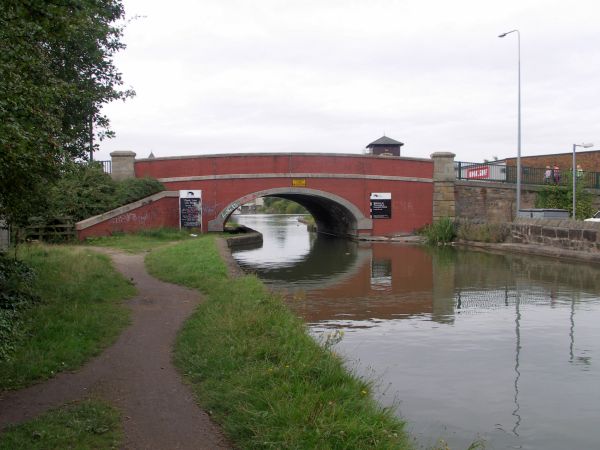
190, 209
381, 205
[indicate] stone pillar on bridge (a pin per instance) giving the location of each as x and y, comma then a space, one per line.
443, 185
122, 165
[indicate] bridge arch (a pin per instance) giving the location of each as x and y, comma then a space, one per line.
333, 214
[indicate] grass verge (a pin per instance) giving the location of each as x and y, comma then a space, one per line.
140, 241
254, 367
80, 313
86, 425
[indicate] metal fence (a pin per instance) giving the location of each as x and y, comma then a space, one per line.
106, 166
500, 172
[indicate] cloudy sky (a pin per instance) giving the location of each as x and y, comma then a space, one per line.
218, 76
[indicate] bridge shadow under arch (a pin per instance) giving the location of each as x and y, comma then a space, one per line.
333, 214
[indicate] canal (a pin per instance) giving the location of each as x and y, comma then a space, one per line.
465, 345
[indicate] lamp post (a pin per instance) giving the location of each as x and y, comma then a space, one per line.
575, 173
519, 120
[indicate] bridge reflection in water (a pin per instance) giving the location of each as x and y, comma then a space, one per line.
476, 345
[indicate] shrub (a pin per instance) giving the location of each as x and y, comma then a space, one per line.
440, 232
85, 190
561, 197
16, 295
132, 189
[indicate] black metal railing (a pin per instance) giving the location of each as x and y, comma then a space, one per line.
106, 166
497, 172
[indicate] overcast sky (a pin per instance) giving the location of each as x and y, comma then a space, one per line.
218, 76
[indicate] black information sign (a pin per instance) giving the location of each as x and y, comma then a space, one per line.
189, 212
381, 205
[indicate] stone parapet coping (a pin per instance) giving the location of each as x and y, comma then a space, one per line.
90, 222
234, 176
285, 154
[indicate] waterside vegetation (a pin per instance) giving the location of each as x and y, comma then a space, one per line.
252, 364
440, 232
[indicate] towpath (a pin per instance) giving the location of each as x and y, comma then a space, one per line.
135, 374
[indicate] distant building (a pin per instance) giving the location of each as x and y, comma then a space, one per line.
384, 146
588, 160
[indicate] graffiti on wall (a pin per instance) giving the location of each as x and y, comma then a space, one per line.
133, 218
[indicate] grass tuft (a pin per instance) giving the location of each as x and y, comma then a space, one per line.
252, 364
87, 425
442, 231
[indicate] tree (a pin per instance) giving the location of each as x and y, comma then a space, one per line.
56, 71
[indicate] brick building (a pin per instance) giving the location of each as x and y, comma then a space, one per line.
588, 160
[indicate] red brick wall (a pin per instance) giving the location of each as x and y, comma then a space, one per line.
278, 163
411, 201
158, 214
589, 160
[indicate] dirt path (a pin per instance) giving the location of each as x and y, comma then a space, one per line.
135, 374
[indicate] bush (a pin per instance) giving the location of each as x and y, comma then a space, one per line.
16, 295
440, 232
85, 191
561, 197
133, 189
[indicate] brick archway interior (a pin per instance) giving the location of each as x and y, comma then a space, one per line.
333, 214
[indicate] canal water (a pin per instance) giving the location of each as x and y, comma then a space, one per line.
465, 345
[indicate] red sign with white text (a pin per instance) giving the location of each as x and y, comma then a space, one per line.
479, 173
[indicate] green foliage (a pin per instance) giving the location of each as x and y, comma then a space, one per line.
90, 424
56, 72
485, 232
443, 231
132, 189
80, 313
561, 197
16, 295
251, 362
85, 190
274, 205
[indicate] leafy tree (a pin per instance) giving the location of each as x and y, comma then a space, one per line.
56, 71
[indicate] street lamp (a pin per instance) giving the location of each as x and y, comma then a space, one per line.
575, 173
519, 121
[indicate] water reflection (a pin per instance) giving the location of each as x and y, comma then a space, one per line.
475, 345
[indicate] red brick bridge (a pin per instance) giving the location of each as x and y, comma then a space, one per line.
334, 188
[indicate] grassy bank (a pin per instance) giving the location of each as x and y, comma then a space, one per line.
85, 425
140, 241
80, 313
251, 362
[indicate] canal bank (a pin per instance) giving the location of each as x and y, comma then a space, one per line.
254, 367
